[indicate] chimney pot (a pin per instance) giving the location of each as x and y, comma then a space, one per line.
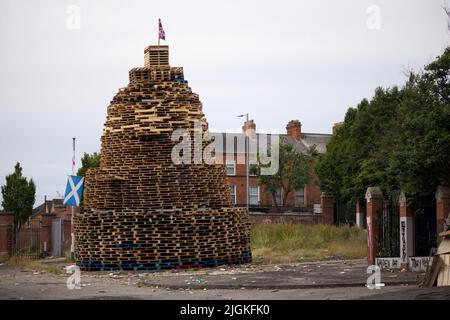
294, 129
249, 126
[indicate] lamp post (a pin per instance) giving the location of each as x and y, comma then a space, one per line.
246, 159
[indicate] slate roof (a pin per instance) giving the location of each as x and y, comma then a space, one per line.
308, 140
58, 203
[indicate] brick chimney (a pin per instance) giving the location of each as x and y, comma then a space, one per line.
250, 128
294, 129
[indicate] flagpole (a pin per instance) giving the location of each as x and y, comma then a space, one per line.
159, 39
72, 233
73, 156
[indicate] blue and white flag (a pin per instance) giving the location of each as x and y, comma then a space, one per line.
74, 191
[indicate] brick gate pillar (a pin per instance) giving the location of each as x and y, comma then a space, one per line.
442, 207
6, 234
327, 204
46, 232
407, 234
374, 198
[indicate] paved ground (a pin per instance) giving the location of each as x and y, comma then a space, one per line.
325, 280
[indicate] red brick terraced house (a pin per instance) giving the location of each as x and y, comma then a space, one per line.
234, 157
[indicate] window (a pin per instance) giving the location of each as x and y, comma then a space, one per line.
233, 193
251, 163
278, 196
231, 168
254, 196
300, 197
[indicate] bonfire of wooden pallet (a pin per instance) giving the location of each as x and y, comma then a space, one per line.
141, 210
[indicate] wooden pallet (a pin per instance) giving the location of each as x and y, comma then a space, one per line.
439, 272
140, 209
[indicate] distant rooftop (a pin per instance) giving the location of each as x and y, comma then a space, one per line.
308, 140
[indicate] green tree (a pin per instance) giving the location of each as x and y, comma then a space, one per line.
358, 154
19, 195
88, 161
293, 173
421, 156
399, 140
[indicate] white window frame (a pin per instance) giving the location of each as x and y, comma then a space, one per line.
296, 202
234, 167
233, 197
279, 197
250, 195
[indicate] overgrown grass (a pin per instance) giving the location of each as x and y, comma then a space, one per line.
34, 265
285, 243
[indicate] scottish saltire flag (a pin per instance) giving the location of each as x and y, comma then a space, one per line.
162, 34
74, 191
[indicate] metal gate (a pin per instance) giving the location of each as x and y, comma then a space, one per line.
389, 229
10, 240
344, 214
57, 236
27, 241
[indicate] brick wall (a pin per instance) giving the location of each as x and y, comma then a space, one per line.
312, 190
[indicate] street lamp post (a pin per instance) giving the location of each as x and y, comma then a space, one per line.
246, 159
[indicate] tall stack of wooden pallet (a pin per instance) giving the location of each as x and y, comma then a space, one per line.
141, 210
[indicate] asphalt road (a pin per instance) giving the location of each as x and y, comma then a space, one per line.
325, 280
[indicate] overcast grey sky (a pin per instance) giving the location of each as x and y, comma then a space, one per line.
277, 60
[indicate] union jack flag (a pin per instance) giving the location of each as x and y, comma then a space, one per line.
162, 34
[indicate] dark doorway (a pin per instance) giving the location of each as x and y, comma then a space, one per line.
344, 214
424, 209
